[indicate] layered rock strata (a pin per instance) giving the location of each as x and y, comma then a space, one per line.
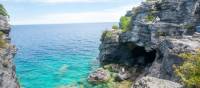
8, 77
160, 31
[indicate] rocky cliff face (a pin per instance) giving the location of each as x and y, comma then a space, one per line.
7, 51
160, 30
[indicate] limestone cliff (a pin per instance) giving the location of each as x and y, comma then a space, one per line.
7, 51
159, 31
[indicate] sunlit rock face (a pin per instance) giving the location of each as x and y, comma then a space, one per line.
153, 45
8, 77
152, 82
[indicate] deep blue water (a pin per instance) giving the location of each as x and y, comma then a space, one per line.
50, 56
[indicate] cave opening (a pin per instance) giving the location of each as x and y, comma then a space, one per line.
142, 57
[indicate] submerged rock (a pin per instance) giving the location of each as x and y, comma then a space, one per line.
62, 70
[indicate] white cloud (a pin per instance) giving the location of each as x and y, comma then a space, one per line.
61, 1
107, 15
82, 17
73, 1
68, 1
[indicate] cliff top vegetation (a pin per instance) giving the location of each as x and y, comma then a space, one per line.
3, 11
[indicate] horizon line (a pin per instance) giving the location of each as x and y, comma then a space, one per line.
61, 23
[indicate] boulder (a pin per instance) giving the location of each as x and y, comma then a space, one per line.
99, 76
123, 76
152, 82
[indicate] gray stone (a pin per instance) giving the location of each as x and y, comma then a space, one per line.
98, 76
159, 42
8, 77
123, 76
152, 82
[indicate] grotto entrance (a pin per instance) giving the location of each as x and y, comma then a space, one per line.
142, 57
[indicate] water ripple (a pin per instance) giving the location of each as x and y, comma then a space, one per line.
51, 55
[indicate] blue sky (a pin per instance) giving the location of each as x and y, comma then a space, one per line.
66, 11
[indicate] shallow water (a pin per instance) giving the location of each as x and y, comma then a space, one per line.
53, 55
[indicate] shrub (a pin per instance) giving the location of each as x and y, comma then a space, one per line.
125, 23
1, 34
151, 15
3, 11
189, 71
2, 41
150, 18
115, 27
189, 26
107, 34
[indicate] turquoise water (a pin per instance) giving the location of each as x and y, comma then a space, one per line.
53, 55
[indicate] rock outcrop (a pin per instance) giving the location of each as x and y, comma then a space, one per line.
160, 31
99, 76
8, 77
152, 82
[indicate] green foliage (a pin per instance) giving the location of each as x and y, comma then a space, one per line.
2, 41
189, 71
107, 34
115, 27
3, 11
125, 23
150, 18
189, 26
151, 15
1, 34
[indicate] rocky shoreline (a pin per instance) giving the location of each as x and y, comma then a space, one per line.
147, 53
8, 77
143, 54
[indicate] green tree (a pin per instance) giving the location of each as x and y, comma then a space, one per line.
125, 23
189, 71
150, 18
115, 27
3, 11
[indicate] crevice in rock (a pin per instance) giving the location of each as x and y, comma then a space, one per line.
142, 57
142, 61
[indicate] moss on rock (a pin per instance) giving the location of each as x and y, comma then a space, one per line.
189, 71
